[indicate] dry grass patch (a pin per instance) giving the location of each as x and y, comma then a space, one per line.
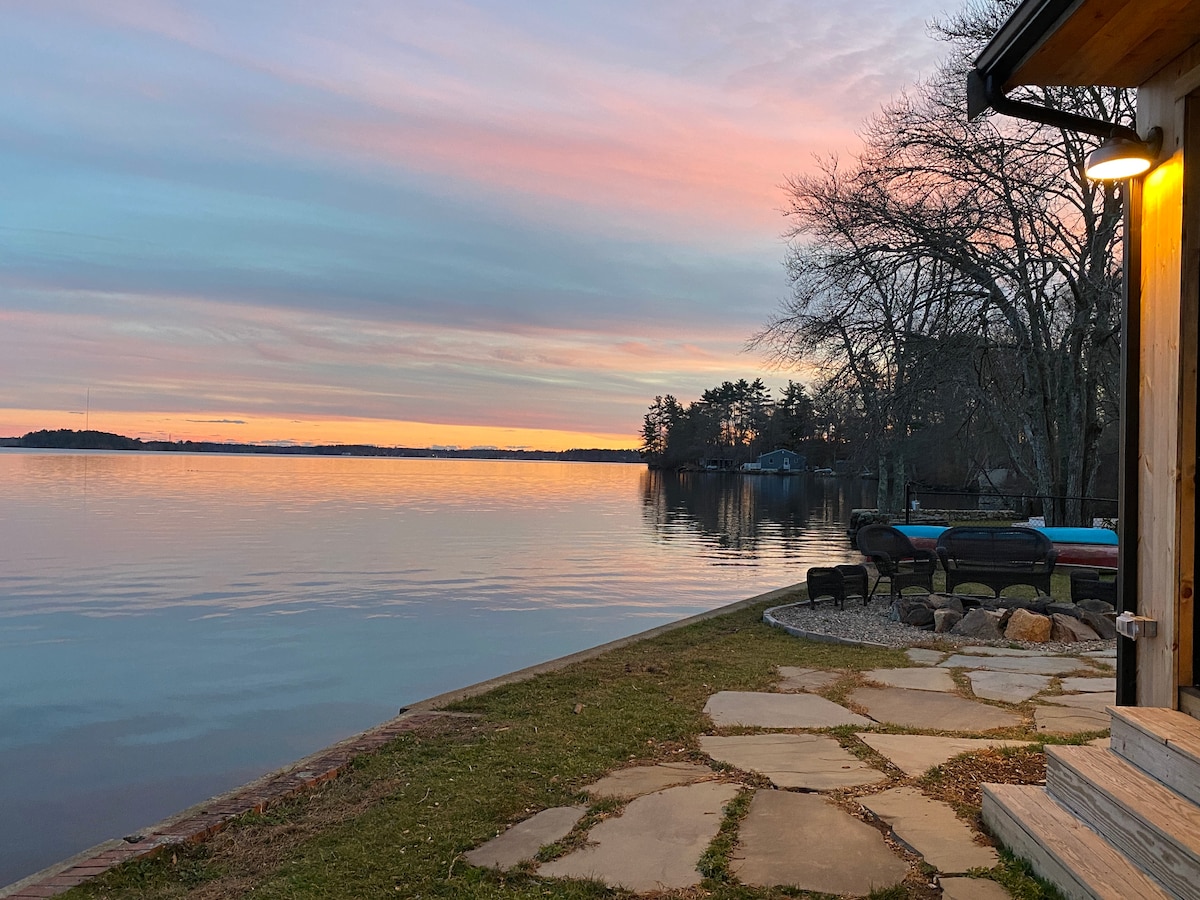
957, 781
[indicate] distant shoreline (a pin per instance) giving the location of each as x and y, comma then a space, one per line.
66, 439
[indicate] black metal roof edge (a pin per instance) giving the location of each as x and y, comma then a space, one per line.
1024, 31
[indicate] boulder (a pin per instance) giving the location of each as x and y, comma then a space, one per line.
1101, 623
918, 615
946, 601
1091, 604
1039, 606
1024, 625
1068, 628
978, 623
945, 619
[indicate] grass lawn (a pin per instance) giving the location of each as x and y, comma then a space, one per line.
397, 823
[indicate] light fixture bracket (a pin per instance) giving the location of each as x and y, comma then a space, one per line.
984, 94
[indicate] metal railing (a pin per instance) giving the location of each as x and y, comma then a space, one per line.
1027, 504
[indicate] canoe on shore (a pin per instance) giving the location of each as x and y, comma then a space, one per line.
1092, 547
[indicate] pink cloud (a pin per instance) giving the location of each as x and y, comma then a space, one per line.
450, 90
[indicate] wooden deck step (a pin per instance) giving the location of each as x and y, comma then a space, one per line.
1163, 742
1156, 828
1061, 848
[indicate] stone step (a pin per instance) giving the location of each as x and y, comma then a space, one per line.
1156, 828
1162, 742
1061, 848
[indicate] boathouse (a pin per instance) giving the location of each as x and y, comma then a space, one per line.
1125, 822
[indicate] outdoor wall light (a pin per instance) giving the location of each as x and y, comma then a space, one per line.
1123, 155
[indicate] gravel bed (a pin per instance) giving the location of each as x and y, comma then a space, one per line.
871, 624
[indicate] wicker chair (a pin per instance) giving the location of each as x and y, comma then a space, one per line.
836, 583
997, 557
896, 559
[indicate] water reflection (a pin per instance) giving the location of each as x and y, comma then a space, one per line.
745, 517
155, 604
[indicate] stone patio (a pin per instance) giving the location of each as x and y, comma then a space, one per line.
524, 839
804, 841
638, 780
931, 829
656, 841
795, 678
925, 709
655, 844
812, 762
1030, 665
915, 754
914, 678
761, 710
1008, 687
1065, 720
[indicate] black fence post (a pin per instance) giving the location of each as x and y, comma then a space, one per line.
907, 502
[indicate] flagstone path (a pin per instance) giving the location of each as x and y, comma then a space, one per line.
813, 762
524, 839
916, 754
655, 843
1089, 685
638, 780
1064, 720
1030, 665
1096, 702
1009, 687
778, 711
931, 829
972, 889
914, 678
939, 712
805, 841
793, 833
794, 678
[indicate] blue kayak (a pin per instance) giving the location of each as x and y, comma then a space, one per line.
1095, 547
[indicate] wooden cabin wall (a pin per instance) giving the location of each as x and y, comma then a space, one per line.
1167, 425
1190, 297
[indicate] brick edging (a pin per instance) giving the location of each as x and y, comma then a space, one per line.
206, 819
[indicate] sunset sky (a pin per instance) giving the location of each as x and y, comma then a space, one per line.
500, 222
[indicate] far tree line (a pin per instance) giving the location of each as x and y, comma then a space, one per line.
68, 439
737, 421
734, 422
956, 285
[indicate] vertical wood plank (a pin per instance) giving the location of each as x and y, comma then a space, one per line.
1190, 330
1160, 388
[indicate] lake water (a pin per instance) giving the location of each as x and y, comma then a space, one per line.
174, 625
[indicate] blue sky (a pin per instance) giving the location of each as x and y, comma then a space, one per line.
467, 223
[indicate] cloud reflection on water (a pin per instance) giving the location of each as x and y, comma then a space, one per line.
232, 613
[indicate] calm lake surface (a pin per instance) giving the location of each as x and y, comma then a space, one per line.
174, 625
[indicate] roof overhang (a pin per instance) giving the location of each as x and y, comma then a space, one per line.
1121, 43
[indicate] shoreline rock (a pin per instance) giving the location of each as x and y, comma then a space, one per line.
872, 624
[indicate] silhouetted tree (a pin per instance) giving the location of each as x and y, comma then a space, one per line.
965, 254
